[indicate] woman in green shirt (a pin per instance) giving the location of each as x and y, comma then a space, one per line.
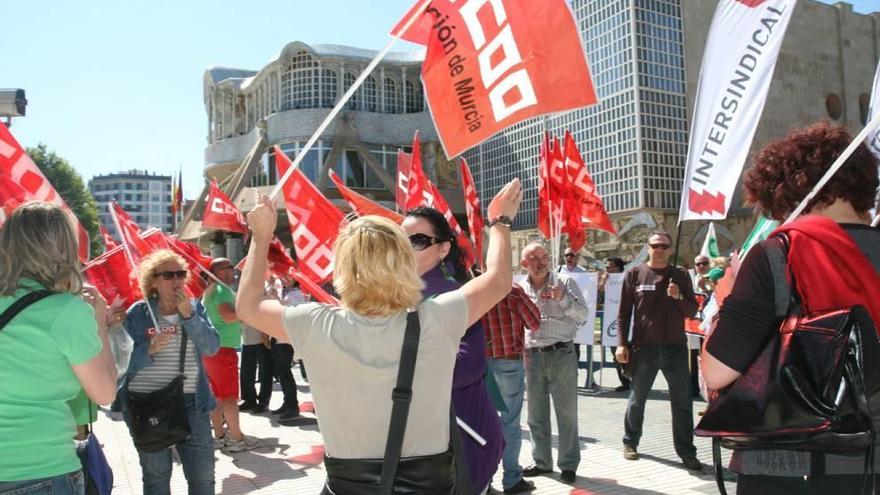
51, 350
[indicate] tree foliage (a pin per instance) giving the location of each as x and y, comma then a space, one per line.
72, 189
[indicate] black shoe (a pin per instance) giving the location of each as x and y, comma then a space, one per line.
622, 388
521, 486
289, 413
692, 463
247, 406
259, 409
532, 471
568, 476
280, 410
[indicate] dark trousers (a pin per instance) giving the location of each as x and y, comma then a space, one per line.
282, 359
253, 356
672, 360
619, 367
783, 485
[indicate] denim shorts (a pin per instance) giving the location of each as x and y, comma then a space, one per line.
65, 484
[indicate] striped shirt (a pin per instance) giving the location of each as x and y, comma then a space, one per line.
559, 319
166, 362
506, 322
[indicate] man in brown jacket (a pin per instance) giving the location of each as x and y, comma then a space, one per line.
656, 297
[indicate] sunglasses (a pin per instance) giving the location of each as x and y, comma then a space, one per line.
659, 246
569, 255
701, 263
180, 274
420, 242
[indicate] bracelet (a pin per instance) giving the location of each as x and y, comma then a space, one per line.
502, 220
192, 315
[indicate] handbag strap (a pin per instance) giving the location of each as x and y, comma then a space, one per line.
401, 397
20, 304
777, 256
182, 363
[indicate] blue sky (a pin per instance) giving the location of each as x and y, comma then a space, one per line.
115, 85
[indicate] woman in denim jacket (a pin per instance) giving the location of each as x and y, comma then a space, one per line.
154, 363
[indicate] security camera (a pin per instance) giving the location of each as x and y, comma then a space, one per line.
12, 103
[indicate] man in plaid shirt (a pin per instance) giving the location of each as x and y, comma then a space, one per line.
505, 334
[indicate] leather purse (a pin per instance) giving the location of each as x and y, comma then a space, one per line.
809, 388
158, 419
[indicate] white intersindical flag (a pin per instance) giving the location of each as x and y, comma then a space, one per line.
874, 138
738, 63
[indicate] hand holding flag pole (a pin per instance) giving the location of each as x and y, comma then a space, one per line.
347, 95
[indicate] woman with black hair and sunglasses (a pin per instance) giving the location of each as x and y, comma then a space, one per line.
441, 265
155, 360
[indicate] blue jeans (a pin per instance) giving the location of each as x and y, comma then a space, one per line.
553, 373
196, 455
509, 375
672, 360
65, 484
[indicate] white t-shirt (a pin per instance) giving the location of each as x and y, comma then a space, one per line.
353, 362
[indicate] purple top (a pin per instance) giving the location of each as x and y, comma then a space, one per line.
469, 394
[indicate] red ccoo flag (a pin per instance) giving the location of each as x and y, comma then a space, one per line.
31, 184
418, 191
221, 213
109, 243
473, 210
314, 222
363, 205
492, 64
583, 190
404, 163
463, 243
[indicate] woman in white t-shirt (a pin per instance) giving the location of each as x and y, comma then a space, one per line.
354, 350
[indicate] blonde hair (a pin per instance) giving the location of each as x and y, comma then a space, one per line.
39, 242
375, 268
147, 271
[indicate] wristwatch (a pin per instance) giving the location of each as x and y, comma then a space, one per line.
502, 220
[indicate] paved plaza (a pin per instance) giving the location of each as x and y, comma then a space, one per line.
291, 460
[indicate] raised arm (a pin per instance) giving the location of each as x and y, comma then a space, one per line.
251, 306
486, 290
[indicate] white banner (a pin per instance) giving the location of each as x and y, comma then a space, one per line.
588, 283
874, 138
738, 62
613, 286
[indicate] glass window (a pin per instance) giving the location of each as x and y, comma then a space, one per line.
347, 81
371, 98
414, 103
328, 88
393, 98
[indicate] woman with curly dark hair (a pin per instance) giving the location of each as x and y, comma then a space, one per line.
834, 257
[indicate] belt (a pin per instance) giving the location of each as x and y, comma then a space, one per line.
516, 357
551, 347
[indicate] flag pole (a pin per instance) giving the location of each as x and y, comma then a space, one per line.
127, 249
348, 94
872, 125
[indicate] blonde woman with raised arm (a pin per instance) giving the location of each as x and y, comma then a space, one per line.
353, 351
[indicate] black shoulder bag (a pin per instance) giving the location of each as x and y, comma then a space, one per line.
158, 419
808, 389
430, 474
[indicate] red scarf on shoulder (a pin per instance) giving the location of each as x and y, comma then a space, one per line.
829, 268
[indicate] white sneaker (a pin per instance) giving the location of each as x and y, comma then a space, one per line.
220, 443
246, 443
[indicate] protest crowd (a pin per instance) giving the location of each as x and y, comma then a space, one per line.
422, 342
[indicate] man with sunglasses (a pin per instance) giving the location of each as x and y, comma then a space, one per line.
222, 368
656, 297
571, 263
551, 363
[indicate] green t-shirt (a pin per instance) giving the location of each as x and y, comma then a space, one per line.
230, 333
38, 348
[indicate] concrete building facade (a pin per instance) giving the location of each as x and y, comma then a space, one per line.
645, 56
145, 196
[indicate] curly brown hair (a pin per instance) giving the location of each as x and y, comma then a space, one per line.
786, 170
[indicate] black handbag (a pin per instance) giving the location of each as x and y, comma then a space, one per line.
808, 390
158, 419
438, 474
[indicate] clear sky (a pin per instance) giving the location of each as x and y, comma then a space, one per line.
114, 85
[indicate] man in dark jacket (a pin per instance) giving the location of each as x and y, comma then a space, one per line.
656, 297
